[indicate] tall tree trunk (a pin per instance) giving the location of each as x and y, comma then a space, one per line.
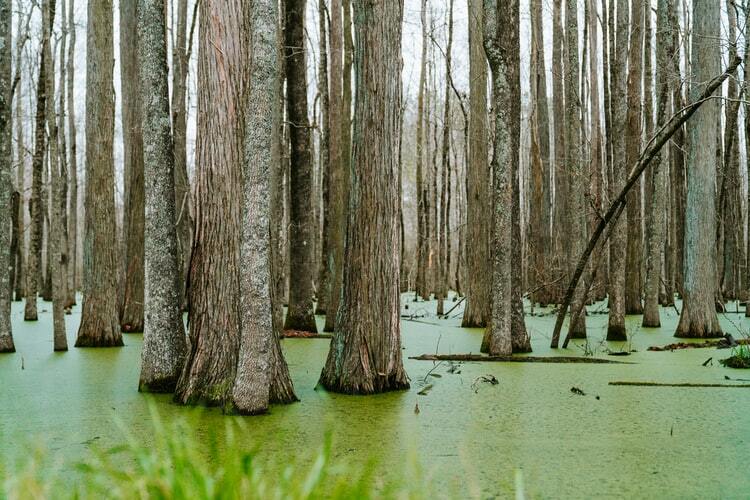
131, 312
501, 43
340, 156
262, 373
183, 201
301, 225
421, 288
72, 164
656, 211
6, 158
62, 201
164, 341
698, 318
559, 226
478, 193
20, 256
214, 281
633, 133
574, 165
323, 291
678, 160
365, 354
99, 321
746, 85
618, 240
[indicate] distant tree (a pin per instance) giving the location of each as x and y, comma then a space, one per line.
6, 158
420, 286
301, 226
131, 309
99, 320
698, 317
365, 353
478, 189
164, 341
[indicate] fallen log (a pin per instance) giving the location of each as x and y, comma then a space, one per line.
298, 334
516, 359
697, 345
659, 384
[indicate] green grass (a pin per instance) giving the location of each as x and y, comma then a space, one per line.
174, 465
739, 357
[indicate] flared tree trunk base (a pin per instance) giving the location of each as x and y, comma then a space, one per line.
96, 334
304, 323
6, 344
159, 385
617, 333
364, 384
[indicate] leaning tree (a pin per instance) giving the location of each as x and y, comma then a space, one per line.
365, 353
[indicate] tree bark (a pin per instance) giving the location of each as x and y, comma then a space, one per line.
698, 317
99, 321
323, 289
164, 340
73, 281
478, 193
131, 310
301, 224
6, 158
365, 354
214, 280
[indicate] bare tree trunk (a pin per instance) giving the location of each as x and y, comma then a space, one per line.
99, 322
698, 318
301, 225
478, 193
633, 130
678, 161
656, 210
131, 312
323, 289
214, 281
618, 240
164, 340
72, 164
365, 354
6, 159
62, 202
19, 281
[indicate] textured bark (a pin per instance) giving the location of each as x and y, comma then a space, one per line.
478, 190
36, 204
301, 223
698, 317
261, 368
324, 287
183, 200
19, 259
72, 163
678, 161
214, 281
131, 312
99, 321
656, 211
339, 142
560, 230
62, 188
501, 43
618, 240
746, 85
6, 158
421, 287
365, 353
55, 233
576, 175
633, 131
164, 340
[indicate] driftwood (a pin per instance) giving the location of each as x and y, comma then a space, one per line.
515, 359
615, 209
659, 384
698, 345
298, 334
454, 306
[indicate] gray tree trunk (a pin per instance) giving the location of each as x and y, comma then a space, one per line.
698, 317
164, 340
73, 281
365, 353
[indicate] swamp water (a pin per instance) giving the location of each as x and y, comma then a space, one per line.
468, 439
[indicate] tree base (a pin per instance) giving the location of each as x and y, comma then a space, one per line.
617, 333
577, 335
6, 344
649, 322
131, 327
304, 323
86, 340
362, 387
159, 385
27, 316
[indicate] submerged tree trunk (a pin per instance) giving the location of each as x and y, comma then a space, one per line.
131, 311
164, 341
365, 353
618, 240
262, 372
214, 279
478, 193
99, 322
301, 225
6, 158
698, 318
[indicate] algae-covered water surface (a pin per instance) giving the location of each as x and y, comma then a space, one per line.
469, 437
